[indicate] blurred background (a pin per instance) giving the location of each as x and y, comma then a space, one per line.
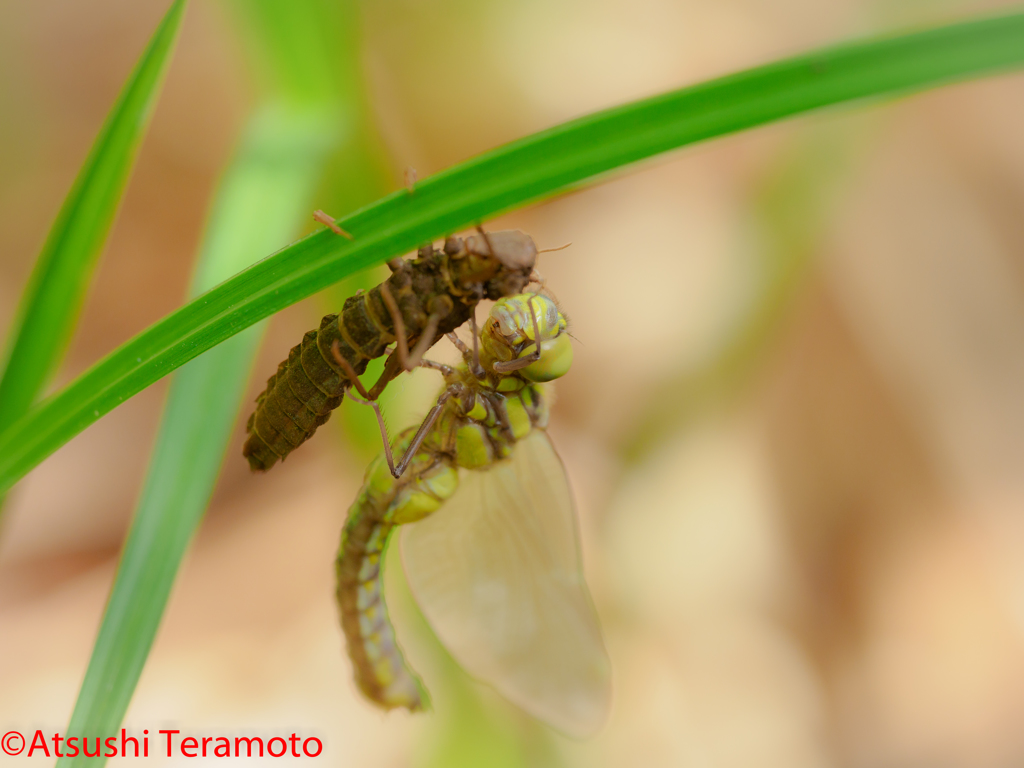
794, 426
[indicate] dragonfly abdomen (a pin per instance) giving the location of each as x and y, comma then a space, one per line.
380, 670
383, 503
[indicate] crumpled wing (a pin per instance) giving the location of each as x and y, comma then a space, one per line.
498, 574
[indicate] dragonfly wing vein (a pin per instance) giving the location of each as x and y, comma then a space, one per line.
498, 574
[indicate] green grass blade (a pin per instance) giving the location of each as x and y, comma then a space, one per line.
263, 200
524, 171
60, 279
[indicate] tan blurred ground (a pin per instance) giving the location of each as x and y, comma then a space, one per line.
822, 564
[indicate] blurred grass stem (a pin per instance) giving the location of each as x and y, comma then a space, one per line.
62, 274
264, 198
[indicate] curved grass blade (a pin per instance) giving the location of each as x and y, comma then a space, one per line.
524, 171
58, 284
264, 198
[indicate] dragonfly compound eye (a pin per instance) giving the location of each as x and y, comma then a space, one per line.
555, 359
511, 319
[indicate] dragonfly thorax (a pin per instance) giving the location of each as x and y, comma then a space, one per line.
480, 425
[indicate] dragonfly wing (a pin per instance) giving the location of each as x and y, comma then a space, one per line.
498, 574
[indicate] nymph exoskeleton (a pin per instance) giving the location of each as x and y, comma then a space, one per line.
422, 300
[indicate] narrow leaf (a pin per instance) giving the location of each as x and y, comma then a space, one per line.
263, 199
524, 171
58, 284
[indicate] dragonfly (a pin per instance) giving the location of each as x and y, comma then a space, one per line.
423, 299
490, 543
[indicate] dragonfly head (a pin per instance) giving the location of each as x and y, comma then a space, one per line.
509, 335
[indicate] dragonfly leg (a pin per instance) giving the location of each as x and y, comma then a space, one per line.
350, 372
421, 433
426, 339
446, 370
522, 362
474, 363
409, 360
353, 378
397, 321
459, 344
470, 356
398, 469
371, 400
392, 368
383, 428
483, 234
386, 376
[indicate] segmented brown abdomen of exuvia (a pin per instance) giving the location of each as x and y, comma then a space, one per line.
297, 400
310, 384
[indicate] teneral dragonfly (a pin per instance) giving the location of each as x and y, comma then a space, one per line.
490, 547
